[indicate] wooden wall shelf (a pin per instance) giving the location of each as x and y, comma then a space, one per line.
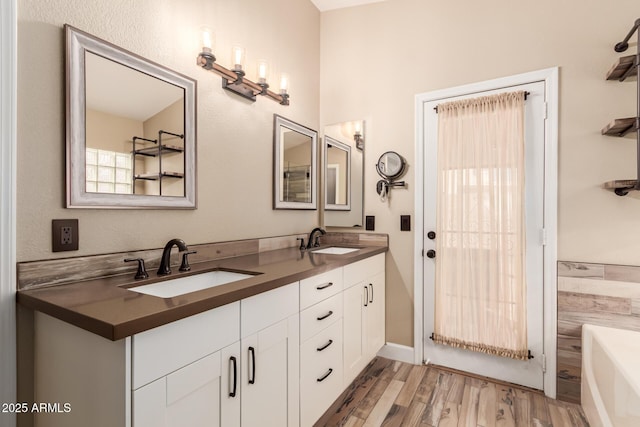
620, 127
624, 68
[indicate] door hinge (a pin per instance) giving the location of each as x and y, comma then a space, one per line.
544, 363
543, 236
544, 110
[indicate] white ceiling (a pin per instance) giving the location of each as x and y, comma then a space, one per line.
324, 5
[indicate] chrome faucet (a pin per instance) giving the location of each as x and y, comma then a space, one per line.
165, 261
314, 243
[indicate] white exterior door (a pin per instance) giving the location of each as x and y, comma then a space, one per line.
528, 373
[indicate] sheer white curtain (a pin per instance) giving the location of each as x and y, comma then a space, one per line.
480, 286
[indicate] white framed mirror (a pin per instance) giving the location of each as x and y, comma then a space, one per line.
348, 141
131, 140
294, 166
337, 175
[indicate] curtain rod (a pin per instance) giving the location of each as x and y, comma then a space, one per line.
525, 98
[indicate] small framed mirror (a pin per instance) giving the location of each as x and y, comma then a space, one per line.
131, 139
294, 165
337, 178
343, 156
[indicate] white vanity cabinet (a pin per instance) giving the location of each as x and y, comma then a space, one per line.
276, 359
185, 372
270, 358
364, 313
321, 344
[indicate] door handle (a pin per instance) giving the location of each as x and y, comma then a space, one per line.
431, 235
371, 286
366, 298
252, 354
431, 253
233, 360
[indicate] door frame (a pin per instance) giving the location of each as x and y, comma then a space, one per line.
550, 76
8, 148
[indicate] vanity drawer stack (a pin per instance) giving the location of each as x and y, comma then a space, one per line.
320, 344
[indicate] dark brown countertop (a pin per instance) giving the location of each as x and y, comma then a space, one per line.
106, 307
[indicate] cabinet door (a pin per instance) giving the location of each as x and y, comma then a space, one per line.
196, 395
270, 376
353, 338
374, 320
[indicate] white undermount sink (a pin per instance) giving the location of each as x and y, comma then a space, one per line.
185, 285
334, 250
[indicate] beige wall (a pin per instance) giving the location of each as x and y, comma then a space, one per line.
232, 134
376, 58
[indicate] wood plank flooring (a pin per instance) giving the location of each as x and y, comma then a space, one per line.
389, 393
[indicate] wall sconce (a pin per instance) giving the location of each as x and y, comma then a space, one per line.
234, 80
358, 138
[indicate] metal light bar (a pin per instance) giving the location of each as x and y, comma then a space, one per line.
236, 82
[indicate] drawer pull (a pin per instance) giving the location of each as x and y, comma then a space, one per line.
325, 316
371, 286
366, 298
324, 377
252, 353
233, 360
324, 347
325, 286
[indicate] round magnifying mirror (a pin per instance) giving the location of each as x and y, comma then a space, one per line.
391, 165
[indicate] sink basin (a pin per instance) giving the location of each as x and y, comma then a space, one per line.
197, 282
335, 250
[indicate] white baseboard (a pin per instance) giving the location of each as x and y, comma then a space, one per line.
397, 352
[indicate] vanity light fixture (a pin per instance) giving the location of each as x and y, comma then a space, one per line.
234, 80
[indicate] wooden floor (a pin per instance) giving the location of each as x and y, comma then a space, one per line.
390, 393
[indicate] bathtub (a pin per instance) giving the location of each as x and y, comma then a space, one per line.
611, 376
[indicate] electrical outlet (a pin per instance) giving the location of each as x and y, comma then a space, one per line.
64, 235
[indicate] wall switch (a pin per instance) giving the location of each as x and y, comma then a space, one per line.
370, 223
405, 222
64, 235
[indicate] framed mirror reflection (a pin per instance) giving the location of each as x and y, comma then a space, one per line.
130, 129
337, 178
294, 165
343, 174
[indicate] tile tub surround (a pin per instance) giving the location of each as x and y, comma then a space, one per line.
598, 294
106, 307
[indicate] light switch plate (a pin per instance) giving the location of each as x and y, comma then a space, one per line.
405, 222
370, 223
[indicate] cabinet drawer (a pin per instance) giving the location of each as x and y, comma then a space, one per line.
159, 351
315, 289
319, 316
263, 310
320, 373
358, 271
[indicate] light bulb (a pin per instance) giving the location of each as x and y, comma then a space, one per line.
284, 83
207, 40
238, 58
262, 71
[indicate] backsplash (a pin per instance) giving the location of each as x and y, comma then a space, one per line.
67, 270
598, 294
